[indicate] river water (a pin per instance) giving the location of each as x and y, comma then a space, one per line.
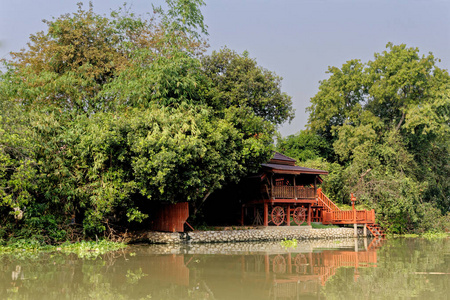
403, 268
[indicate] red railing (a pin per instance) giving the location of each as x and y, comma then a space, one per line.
325, 202
330, 214
291, 192
349, 217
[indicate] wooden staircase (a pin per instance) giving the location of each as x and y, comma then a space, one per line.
376, 230
325, 202
331, 214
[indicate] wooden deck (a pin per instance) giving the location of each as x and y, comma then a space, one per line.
285, 201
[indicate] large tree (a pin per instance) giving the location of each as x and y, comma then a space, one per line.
103, 114
238, 81
388, 123
68, 66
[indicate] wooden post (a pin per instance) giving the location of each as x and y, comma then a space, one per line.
365, 230
271, 187
315, 185
355, 226
309, 214
295, 187
319, 190
288, 215
266, 214
242, 215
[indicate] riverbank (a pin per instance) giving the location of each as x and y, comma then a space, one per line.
257, 234
271, 247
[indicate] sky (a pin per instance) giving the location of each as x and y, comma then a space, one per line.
296, 39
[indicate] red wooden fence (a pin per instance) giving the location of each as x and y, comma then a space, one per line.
349, 217
171, 217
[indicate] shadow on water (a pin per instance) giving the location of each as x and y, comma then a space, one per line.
321, 269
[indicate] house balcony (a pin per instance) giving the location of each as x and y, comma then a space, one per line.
293, 192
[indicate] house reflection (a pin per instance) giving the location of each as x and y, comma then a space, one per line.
257, 275
295, 274
264, 270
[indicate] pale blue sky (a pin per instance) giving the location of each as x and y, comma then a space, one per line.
297, 39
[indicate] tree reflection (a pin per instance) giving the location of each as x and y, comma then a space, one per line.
407, 268
400, 268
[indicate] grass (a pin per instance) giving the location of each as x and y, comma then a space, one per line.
321, 226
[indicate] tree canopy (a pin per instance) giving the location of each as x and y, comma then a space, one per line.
387, 123
239, 81
102, 114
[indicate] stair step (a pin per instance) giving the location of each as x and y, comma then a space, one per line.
376, 230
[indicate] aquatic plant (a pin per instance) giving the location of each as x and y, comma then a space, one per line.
26, 248
435, 235
289, 243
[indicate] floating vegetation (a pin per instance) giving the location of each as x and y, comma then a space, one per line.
90, 249
289, 243
435, 235
428, 235
26, 248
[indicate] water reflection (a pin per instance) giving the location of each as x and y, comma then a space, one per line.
338, 269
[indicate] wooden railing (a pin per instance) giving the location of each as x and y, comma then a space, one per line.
291, 192
334, 215
305, 193
349, 217
325, 202
284, 192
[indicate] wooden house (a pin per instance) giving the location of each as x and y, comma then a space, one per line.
280, 191
283, 193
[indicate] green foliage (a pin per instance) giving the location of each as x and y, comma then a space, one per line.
102, 114
388, 123
238, 81
68, 67
183, 16
26, 248
435, 235
304, 146
321, 226
406, 268
89, 249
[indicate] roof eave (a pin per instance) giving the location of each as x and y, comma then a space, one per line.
318, 172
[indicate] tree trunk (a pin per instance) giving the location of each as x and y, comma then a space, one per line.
197, 207
401, 121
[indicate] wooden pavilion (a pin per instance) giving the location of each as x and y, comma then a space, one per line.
284, 193
281, 190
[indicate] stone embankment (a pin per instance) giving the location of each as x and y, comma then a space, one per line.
272, 247
248, 235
